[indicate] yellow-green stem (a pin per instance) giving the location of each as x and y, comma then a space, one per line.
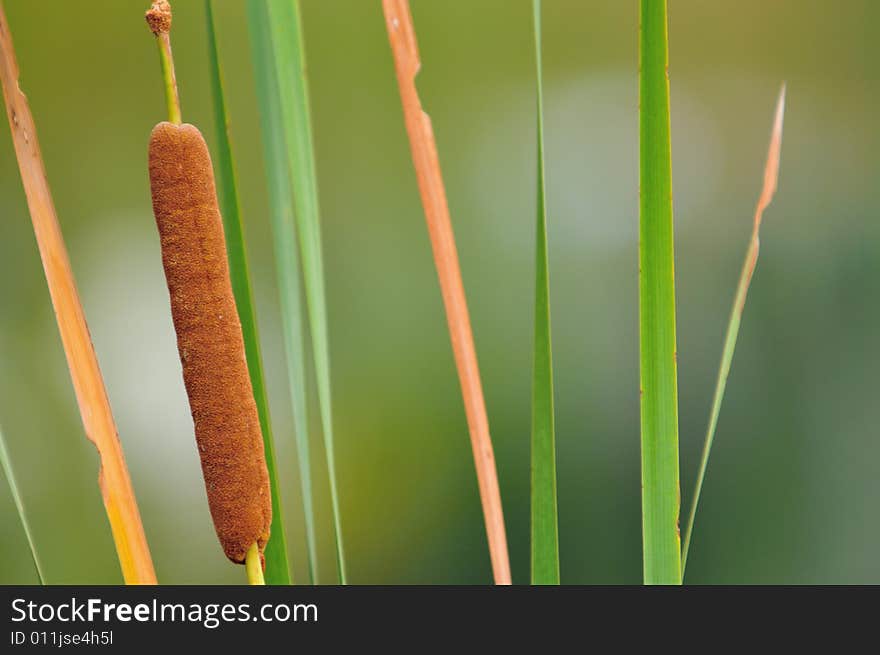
166, 59
254, 566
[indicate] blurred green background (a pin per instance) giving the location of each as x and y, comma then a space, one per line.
793, 487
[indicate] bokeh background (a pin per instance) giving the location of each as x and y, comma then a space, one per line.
793, 486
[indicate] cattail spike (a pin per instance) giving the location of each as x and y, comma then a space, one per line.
209, 338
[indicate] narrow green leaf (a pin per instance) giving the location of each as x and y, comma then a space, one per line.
659, 387
771, 175
286, 255
277, 567
16, 498
545, 538
287, 41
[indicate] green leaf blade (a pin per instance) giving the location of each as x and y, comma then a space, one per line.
287, 40
277, 566
771, 175
658, 376
544, 523
6, 463
286, 256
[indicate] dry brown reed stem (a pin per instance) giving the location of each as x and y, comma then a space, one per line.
91, 396
209, 338
430, 180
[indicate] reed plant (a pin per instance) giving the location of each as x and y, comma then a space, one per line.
202, 231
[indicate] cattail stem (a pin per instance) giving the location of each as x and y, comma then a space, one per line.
254, 566
159, 19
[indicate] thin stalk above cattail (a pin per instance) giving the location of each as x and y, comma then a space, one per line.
159, 19
430, 180
209, 336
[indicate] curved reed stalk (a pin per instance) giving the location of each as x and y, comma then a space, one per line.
91, 396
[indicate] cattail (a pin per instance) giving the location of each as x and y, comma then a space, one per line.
209, 338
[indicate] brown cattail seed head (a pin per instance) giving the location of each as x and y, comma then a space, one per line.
159, 17
209, 338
